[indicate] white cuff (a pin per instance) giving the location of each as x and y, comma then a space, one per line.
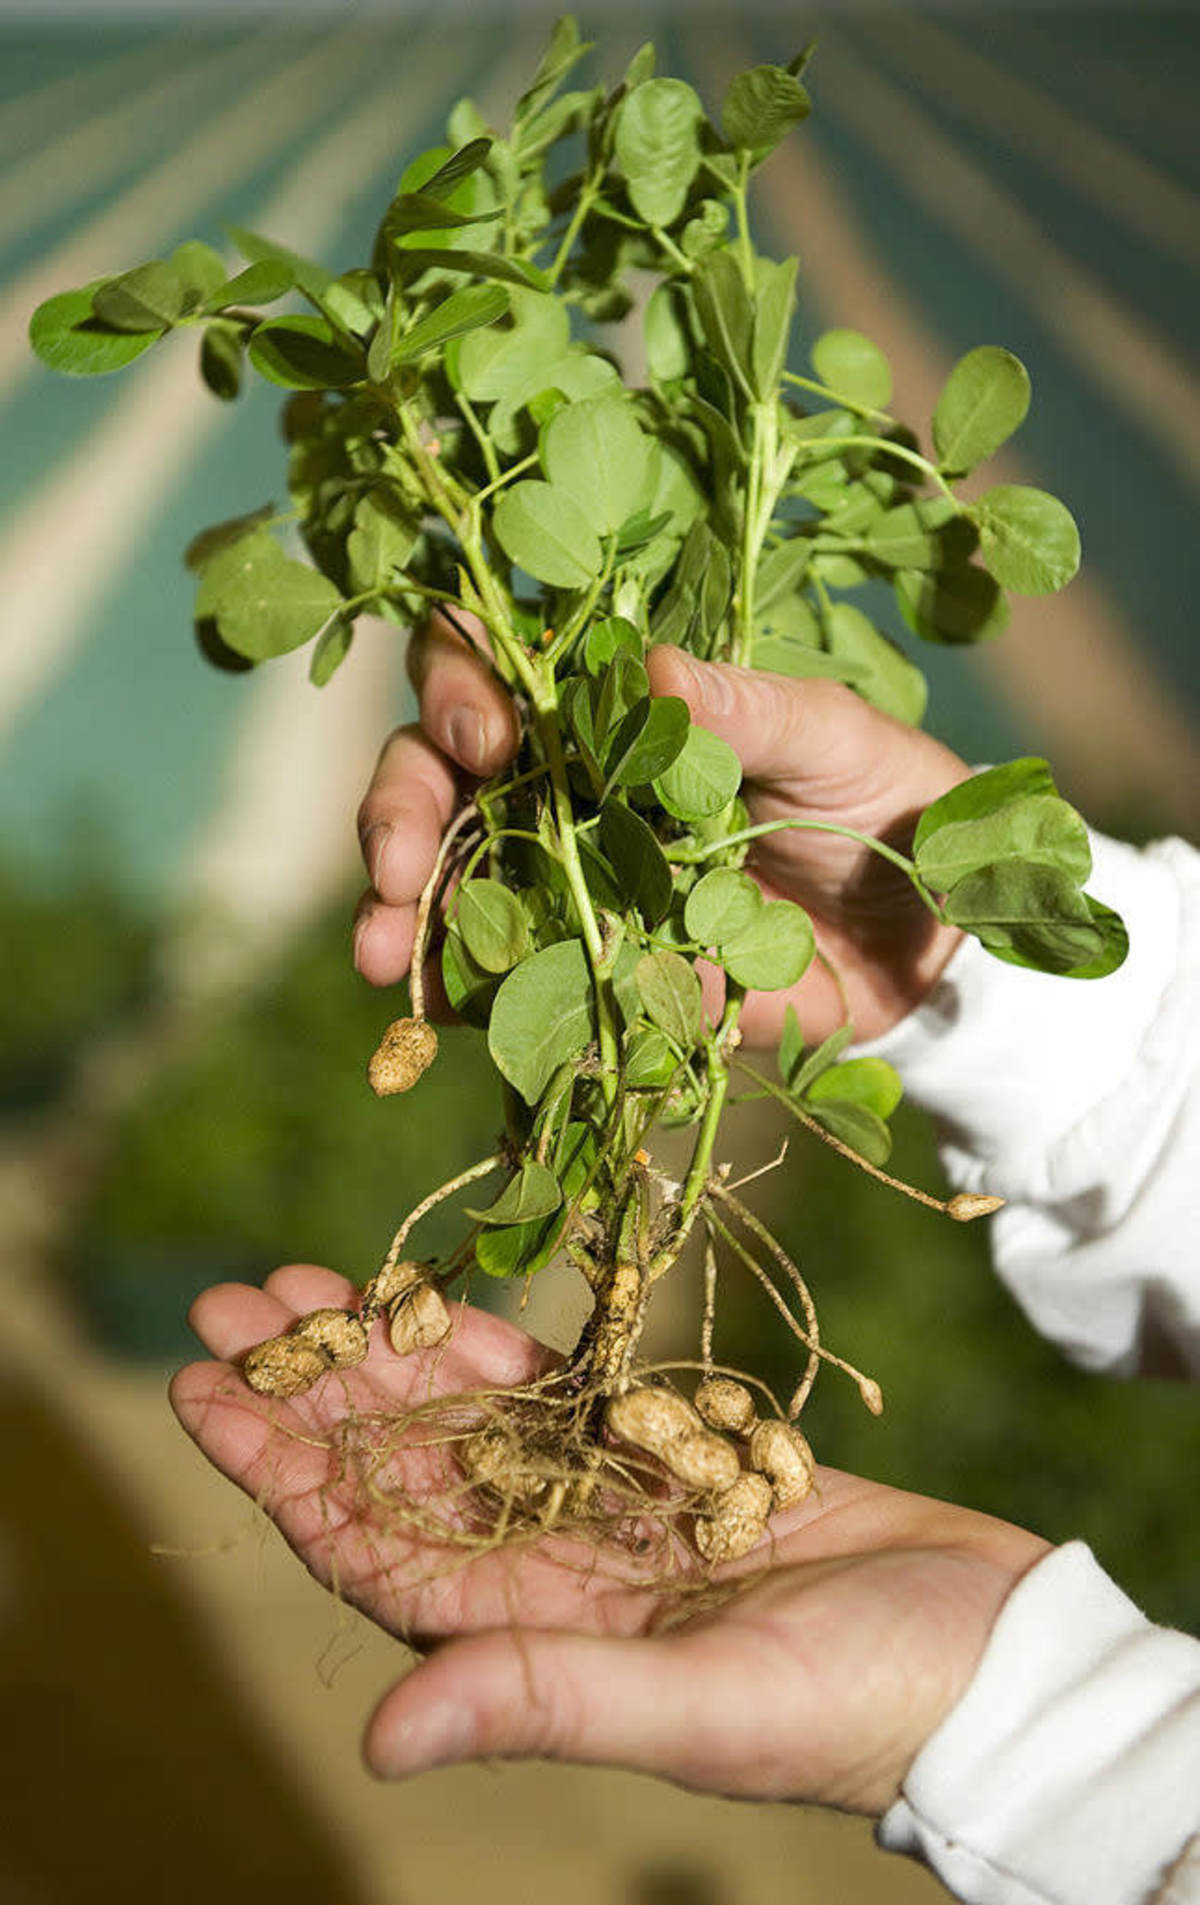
1069, 1772
1010, 1061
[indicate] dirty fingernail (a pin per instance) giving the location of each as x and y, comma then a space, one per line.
374, 849
362, 931
467, 733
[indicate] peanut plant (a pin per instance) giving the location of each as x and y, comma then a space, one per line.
458, 445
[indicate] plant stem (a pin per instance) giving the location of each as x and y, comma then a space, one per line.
690, 856
545, 699
718, 1043
487, 449
673, 252
745, 248
900, 450
836, 397
582, 208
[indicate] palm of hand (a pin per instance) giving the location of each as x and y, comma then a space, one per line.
858, 1627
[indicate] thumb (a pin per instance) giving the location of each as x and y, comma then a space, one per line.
782, 730
522, 1694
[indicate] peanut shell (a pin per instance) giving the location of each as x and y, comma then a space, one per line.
737, 1520
339, 1334
780, 1452
418, 1319
702, 1459
284, 1366
406, 1050
725, 1404
651, 1418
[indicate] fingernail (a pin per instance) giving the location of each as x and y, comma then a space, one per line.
467, 733
361, 933
435, 1736
374, 849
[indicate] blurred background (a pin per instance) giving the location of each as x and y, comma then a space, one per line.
182, 1037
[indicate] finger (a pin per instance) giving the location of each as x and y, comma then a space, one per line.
465, 710
403, 815
302, 1287
383, 940
782, 730
231, 1317
589, 1699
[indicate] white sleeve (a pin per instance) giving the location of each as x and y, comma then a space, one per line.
1078, 1101
1069, 1772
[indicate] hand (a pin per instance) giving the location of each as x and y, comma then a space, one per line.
810, 750
865, 1613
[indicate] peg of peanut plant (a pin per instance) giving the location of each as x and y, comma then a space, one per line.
456, 443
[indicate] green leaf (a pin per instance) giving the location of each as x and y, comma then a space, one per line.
542, 1017
773, 950
534, 1192
720, 906
658, 147
986, 793
1114, 945
381, 541
774, 304
459, 166
670, 993
761, 107
505, 360
985, 399
199, 267
330, 651
416, 213
469, 989
607, 639
637, 860
596, 451
67, 337
493, 924
650, 1061
780, 571
886, 678
1039, 827
854, 368
150, 298
702, 780
467, 309
856, 1126
303, 353
933, 534
564, 52
706, 229
257, 284
790, 656
859, 1081
313, 279
726, 315
1032, 914
805, 1074
544, 531
210, 542
668, 348
476, 264
262, 602
1028, 539
954, 605
651, 736
221, 359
